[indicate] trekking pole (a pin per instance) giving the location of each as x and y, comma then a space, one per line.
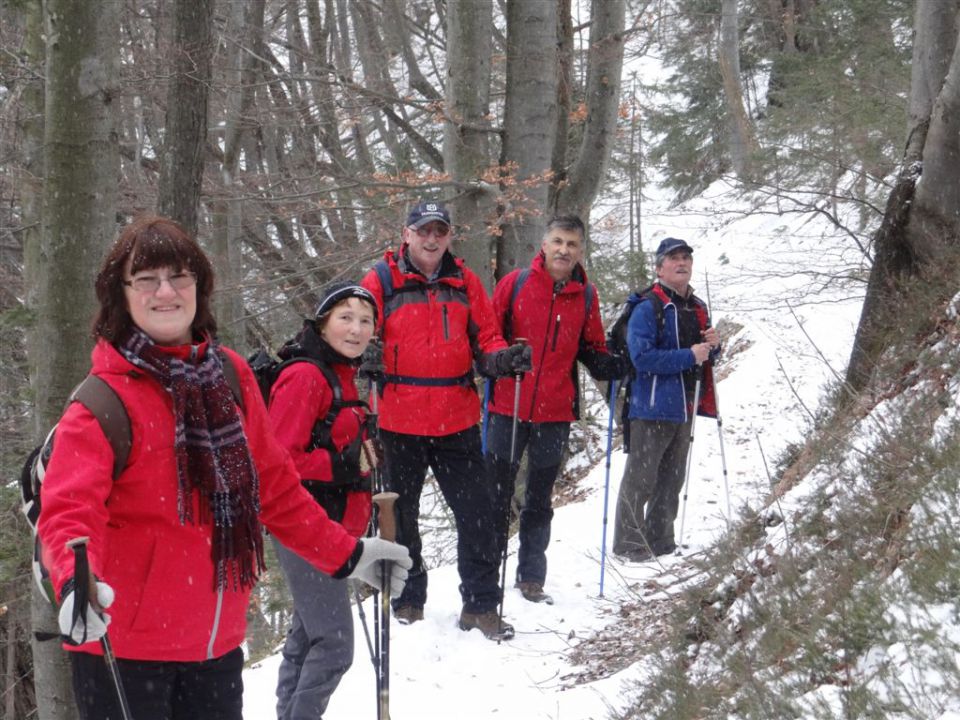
388, 531
517, 381
686, 478
84, 594
716, 398
486, 416
606, 484
366, 630
377, 488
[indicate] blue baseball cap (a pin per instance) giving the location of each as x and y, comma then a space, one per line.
428, 212
668, 245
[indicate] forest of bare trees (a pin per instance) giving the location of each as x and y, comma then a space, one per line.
292, 134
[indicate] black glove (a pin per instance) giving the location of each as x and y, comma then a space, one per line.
346, 466
371, 362
625, 366
515, 359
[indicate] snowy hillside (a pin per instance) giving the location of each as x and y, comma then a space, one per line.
764, 276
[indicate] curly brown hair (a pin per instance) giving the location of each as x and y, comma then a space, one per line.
147, 243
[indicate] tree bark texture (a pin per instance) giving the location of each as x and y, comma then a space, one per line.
920, 220
185, 128
245, 23
603, 104
564, 97
467, 138
742, 141
79, 222
530, 125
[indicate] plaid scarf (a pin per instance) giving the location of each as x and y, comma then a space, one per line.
213, 458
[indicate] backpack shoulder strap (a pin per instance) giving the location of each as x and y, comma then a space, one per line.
320, 436
657, 303
518, 282
233, 380
382, 269
100, 399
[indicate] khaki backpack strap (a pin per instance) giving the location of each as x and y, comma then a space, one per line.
233, 380
107, 407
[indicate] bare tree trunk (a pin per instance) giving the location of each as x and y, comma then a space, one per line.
530, 125
467, 134
742, 141
564, 97
902, 244
185, 128
245, 25
603, 103
79, 220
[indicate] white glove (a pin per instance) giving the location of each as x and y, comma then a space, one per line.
94, 625
368, 567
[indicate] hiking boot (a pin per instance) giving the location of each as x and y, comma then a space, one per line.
408, 614
488, 623
533, 592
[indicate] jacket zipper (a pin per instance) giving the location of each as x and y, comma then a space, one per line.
446, 325
216, 624
546, 339
556, 333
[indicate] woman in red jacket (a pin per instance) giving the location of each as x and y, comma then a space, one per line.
175, 542
318, 418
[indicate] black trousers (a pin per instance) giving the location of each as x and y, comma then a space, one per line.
457, 464
156, 690
544, 444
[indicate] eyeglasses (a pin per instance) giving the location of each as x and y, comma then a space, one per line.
440, 231
152, 283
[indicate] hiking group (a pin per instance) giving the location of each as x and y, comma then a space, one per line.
133, 531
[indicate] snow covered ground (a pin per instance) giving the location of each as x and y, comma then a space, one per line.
768, 273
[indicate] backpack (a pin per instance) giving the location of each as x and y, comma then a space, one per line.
267, 369
522, 277
106, 406
617, 344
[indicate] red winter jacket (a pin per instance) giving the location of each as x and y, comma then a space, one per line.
432, 332
301, 396
167, 607
556, 328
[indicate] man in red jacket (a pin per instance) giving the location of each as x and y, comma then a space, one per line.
554, 307
436, 322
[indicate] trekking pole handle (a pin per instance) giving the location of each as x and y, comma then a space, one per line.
81, 566
386, 515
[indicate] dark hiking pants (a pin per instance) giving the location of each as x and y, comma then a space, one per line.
156, 690
457, 464
650, 491
545, 444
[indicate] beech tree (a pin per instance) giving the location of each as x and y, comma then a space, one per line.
920, 231
77, 222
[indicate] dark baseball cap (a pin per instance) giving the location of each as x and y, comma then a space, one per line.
427, 212
668, 245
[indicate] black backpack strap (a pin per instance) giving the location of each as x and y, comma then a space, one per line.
518, 284
320, 435
106, 406
233, 380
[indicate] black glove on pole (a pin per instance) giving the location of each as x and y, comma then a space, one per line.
84, 587
388, 531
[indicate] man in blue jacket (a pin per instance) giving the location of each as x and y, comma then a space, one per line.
671, 345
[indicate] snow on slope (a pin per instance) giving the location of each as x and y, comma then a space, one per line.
767, 273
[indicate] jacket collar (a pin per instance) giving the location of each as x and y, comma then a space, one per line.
576, 283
